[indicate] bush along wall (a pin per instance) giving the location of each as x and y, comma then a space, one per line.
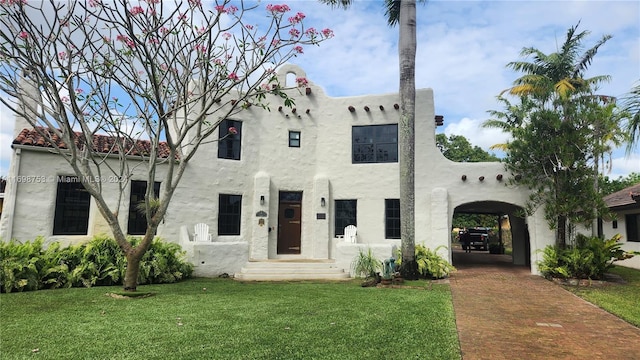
100, 262
589, 258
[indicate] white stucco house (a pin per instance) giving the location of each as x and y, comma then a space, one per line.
625, 205
283, 189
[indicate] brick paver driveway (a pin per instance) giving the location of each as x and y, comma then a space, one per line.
504, 312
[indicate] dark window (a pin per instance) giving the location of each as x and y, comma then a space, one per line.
614, 224
72, 207
346, 211
392, 218
294, 138
229, 207
137, 219
375, 144
229, 144
632, 222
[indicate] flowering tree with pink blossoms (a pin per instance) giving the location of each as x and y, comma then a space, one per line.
137, 71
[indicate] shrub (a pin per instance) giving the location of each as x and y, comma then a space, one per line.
589, 258
366, 264
430, 263
99, 262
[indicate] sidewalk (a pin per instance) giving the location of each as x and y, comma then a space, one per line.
504, 312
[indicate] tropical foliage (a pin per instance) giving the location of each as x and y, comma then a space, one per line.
100, 262
588, 258
430, 264
561, 130
366, 264
458, 148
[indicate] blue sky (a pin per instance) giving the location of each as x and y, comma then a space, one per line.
463, 47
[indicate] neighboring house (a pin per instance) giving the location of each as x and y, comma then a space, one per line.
625, 204
286, 186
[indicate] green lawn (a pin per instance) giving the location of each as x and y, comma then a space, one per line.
620, 300
224, 319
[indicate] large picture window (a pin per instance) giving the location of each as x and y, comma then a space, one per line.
375, 144
230, 144
392, 218
229, 207
346, 211
137, 224
72, 207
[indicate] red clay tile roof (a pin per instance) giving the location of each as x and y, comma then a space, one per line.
102, 143
623, 197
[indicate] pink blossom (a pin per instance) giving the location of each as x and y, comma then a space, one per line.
23, 35
228, 10
64, 99
302, 82
275, 42
311, 32
154, 40
136, 10
94, 3
297, 18
249, 27
233, 76
327, 33
226, 36
62, 55
196, 3
265, 87
298, 49
233, 131
182, 17
200, 48
294, 32
277, 9
218, 62
79, 91
152, 1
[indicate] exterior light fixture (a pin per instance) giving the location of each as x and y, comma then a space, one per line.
323, 202
261, 199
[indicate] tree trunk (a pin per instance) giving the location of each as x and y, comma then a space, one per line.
134, 258
562, 231
406, 129
130, 282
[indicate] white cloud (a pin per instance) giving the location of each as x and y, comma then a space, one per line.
624, 165
477, 135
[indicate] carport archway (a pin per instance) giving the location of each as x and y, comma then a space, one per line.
508, 215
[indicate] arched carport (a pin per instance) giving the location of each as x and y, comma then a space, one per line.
521, 253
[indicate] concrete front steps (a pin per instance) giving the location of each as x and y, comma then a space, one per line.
284, 270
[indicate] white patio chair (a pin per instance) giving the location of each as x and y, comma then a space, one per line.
201, 232
350, 233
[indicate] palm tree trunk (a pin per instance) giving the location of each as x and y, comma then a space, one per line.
406, 129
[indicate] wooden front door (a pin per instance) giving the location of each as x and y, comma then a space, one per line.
289, 222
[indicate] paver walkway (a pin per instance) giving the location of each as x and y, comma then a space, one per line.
504, 312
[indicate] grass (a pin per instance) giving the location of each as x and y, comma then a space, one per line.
620, 300
224, 319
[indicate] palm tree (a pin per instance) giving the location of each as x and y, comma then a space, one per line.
403, 12
553, 79
632, 106
555, 82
